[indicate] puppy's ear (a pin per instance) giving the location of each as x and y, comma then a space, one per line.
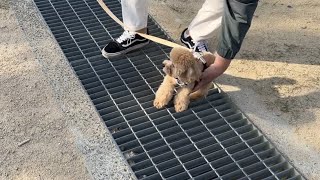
193, 74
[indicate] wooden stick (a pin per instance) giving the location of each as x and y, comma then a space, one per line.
24, 142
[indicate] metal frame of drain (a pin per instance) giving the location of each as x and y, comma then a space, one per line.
211, 140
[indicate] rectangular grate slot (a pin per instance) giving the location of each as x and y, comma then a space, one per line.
210, 140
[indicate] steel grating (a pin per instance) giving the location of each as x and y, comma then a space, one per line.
211, 140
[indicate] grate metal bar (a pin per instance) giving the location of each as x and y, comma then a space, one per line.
264, 164
211, 140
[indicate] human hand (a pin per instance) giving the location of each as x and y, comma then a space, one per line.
219, 66
206, 78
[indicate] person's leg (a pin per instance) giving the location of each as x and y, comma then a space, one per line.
207, 20
135, 14
204, 24
135, 18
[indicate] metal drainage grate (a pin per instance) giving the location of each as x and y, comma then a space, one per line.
211, 140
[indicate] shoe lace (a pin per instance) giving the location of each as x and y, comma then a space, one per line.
201, 45
126, 35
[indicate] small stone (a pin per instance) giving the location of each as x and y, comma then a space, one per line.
289, 6
277, 113
304, 27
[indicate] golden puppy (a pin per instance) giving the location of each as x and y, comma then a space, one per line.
185, 70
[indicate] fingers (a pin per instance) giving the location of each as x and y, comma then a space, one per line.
195, 88
198, 86
200, 83
204, 79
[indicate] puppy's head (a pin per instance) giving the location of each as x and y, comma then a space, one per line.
183, 65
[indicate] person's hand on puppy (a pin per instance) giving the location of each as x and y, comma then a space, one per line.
219, 66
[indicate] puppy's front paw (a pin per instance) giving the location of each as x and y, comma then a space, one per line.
158, 103
196, 95
179, 107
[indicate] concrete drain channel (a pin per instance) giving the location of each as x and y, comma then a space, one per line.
211, 140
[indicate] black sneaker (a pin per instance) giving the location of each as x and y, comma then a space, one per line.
199, 46
127, 42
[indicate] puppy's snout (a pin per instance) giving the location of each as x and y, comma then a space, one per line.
166, 62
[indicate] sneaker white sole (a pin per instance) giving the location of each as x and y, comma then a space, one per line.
108, 55
186, 43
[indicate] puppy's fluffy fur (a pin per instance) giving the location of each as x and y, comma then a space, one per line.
187, 69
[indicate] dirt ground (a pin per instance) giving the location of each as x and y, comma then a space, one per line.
275, 77
35, 142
